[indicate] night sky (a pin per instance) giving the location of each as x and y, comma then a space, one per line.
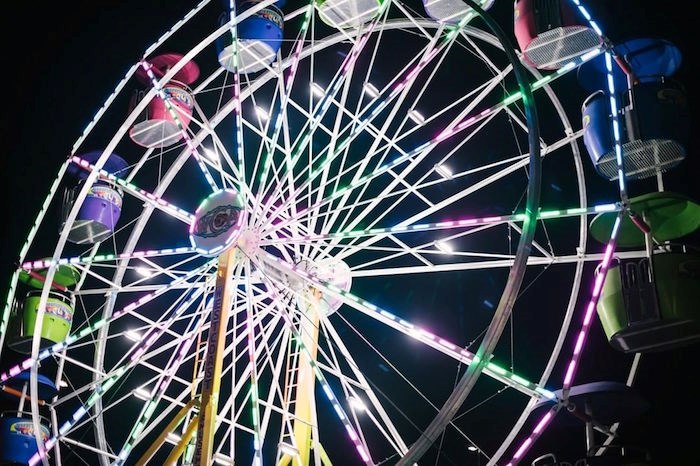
68, 56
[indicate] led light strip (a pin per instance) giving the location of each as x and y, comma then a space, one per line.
70, 339
46, 263
285, 96
374, 109
445, 134
467, 222
609, 250
340, 412
407, 328
238, 114
315, 118
583, 333
162, 385
173, 114
136, 191
102, 388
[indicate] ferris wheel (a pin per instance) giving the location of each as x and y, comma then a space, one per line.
310, 233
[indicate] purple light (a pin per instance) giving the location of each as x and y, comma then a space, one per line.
523, 448
543, 422
589, 314
579, 342
569, 374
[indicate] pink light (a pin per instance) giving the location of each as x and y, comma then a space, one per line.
466, 122
608, 255
579, 342
598, 286
543, 422
523, 448
137, 354
445, 134
469, 221
589, 314
446, 224
569, 373
363, 453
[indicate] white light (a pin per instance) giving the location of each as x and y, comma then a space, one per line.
416, 117
132, 335
172, 438
221, 459
211, 154
261, 113
371, 90
142, 393
357, 404
144, 272
444, 171
472, 448
288, 449
317, 90
444, 246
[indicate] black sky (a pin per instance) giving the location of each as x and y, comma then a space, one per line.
66, 57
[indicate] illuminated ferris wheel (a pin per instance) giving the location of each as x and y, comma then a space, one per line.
309, 233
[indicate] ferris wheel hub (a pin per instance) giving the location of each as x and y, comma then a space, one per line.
218, 222
249, 242
335, 277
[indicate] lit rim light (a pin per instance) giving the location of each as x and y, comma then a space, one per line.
472, 448
132, 335
221, 459
262, 113
371, 90
288, 449
211, 154
172, 438
144, 272
142, 394
444, 171
357, 404
317, 90
444, 246
416, 117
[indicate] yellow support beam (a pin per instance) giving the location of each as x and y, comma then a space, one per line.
174, 422
181, 446
213, 363
306, 383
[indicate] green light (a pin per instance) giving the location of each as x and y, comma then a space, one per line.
542, 81
497, 369
511, 98
138, 428
520, 380
149, 410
